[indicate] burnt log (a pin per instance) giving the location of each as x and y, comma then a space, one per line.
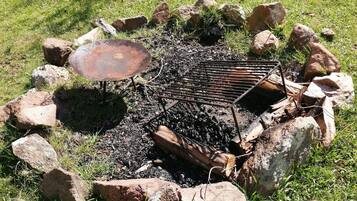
274, 84
203, 156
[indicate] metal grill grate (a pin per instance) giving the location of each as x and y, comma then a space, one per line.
220, 83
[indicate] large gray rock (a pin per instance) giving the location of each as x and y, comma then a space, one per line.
266, 16
279, 148
56, 51
301, 36
94, 35
33, 109
320, 62
264, 42
222, 191
36, 151
130, 24
136, 189
49, 75
161, 14
63, 185
337, 86
233, 13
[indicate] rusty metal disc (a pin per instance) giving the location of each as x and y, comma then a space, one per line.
109, 60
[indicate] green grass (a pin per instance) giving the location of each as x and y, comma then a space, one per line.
329, 174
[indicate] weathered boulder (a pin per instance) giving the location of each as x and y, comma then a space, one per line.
36, 151
205, 3
190, 14
326, 121
33, 109
266, 16
320, 62
264, 42
301, 36
135, 189
49, 75
94, 35
63, 185
233, 14
337, 86
4, 113
161, 14
222, 191
130, 24
276, 151
56, 51
329, 34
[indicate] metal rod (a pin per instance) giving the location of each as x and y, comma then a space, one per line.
225, 105
134, 85
236, 123
283, 80
163, 106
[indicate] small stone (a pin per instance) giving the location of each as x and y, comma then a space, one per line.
328, 33
161, 14
233, 14
130, 24
264, 42
107, 28
222, 191
36, 151
158, 162
132, 189
266, 16
56, 51
94, 35
63, 185
279, 148
49, 75
205, 3
301, 36
320, 62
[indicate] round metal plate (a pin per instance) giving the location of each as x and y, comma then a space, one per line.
107, 60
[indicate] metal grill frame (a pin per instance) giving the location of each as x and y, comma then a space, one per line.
259, 70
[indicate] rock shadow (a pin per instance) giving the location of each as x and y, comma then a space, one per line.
85, 110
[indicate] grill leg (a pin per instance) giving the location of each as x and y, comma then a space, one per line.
103, 86
162, 103
236, 123
283, 80
134, 85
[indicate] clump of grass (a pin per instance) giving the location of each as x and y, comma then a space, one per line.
78, 154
